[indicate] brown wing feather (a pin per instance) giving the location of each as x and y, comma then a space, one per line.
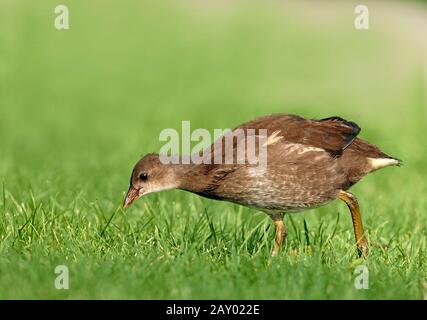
331, 134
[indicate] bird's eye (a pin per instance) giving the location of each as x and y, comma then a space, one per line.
143, 176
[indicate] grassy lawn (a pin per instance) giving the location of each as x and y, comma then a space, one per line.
79, 107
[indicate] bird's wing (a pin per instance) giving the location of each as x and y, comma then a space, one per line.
332, 134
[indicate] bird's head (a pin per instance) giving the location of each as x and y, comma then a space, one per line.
149, 175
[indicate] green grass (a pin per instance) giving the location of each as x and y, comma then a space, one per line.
78, 108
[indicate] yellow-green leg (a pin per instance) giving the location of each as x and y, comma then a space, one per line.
353, 205
280, 233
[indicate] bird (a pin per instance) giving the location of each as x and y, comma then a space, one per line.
308, 163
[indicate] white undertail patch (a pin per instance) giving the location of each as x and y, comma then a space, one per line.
378, 163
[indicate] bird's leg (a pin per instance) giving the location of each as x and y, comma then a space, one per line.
351, 201
280, 233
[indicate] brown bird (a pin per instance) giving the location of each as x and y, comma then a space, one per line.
308, 164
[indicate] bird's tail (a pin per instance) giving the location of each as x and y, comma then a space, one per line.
379, 163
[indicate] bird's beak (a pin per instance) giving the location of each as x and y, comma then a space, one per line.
131, 196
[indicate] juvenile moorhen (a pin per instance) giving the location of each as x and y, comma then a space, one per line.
309, 163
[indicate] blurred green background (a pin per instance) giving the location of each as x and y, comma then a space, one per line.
78, 107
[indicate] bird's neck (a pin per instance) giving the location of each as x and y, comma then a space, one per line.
191, 177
